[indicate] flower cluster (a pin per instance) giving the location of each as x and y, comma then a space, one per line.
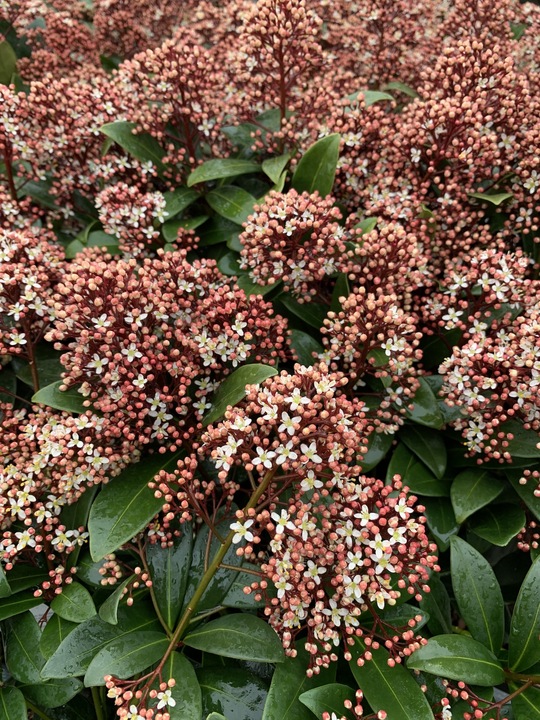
294, 238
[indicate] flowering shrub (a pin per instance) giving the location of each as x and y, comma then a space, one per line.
269, 360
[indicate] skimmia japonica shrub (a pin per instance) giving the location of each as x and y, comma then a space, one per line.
269, 360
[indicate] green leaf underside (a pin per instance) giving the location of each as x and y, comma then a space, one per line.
524, 646
12, 704
478, 594
240, 636
233, 388
456, 657
108, 611
125, 656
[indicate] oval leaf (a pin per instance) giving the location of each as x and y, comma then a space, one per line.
441, 520
498, 524
526, 492
53, 693
233, 388
236, 693
436, 603
187, 691
317, 168
526, 705
330, 699
125, 506
23, 659
427, 445
473, 489
389, 688
232, 203
493, 198
141, 145
126, 656
12, 704
524, 645
169, 568
108, 612
478, 594
178, 200
305, 346
69, 400
456, 657
74, 603
17, 604
8, 62
218, 169
415, 474
241, 636
425, 408
55, 631
274, 167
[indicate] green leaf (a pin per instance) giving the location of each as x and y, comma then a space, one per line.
518, 30
478, 594
425, 409
142, 145
170, 229
69, 400
428, 445
493, 198
525, 443
178, 200
186, 692
229, 264
55, 631
125, 656
374, 96
8, 381
169, 568
441, 520
23, 659
311, 313
523, 645
75, 652
401, 87
388, 688
74, 603
49, 371
456, 657
317, 168
241, 636
304, 346
125, 505
415, 474
17, 604
5, 589
108, 611
526, 705
53, 693
274, 167
232, 203
436, 603
498, 524
216, 231
8, 63
399, 615
219, 169
233, 389
526, 492
473, 489
341, 290
288, 683
103, 240
329, 698
236, 597
251, 288
12, 704
23, 577
234, 693
378, 446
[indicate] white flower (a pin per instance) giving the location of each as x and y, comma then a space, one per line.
282, 521
134, 714
285, 452
288, 422
165, 698
310, 452
264, 458
241, 531
97, 363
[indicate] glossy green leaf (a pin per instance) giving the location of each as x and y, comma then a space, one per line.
251, 288
74, 603
374, 96
329, 698
17, 604
53, 693
22, 577
187, 691
492, 198
473, 489
23, 659
49, 371
274, 166
232, 203
241, 636
526, 705
526, 492
69, 400
388, 688
170, 229
425, 407
215, 716
399, 615
367, 225
304, 345
177, 200
125, 656
219, 169
428, 445
341, 290
54, 632
169, 568
289, 681
478, 594
456, 657
141, 146
216, 231
498, 523
233, 388
8, 62
75, 652
415, 474
524, 443
229, 264
441, 520
12, 704
125, 505
5, 589
108, 611
401, 87
236, 597
103, 240
524, 644
234, 693
311, 313
437, 604
378, 446
317, 168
